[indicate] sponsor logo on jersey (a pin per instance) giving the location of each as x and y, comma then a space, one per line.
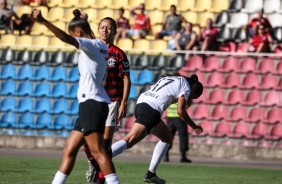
125, 64
111, 62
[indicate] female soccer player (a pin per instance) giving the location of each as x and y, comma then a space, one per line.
92, 97
117, 85
148, 113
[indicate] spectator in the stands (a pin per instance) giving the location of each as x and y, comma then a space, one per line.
261, 40
122, 25
208, 37
186, 39
251, 27
10, 21
142, 24
6, 15
172, 23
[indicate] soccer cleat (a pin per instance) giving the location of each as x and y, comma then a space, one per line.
185, 160
91, 174
153, 178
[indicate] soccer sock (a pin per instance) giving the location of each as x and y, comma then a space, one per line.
158, 155
112, 179
101, 175
60, 178
119, 147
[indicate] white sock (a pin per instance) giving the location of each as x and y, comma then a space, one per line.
158, 154
112, 178
60, 178
118, 147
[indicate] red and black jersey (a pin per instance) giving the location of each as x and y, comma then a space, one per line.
118, 67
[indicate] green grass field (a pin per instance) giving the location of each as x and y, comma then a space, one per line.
28, 170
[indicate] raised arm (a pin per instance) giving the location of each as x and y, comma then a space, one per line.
181, 110
36, 14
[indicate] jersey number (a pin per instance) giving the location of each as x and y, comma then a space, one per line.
160, 86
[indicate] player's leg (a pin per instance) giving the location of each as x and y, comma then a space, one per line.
146, 118
171, 126
93, 172
108, 137
95, 114
95, 141
73, 143
162, 132
136, 134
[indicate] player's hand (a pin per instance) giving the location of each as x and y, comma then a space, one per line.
84, 16
37, 16
121, 112
198, 130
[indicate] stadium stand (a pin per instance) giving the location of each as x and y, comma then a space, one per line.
8, 104
24, 105
216, 96
237, 113
39, 74
234, 97
72, 92
42, 105
240, 131
25, 72
59, 90
24, 89
231, 80
218, 113
214, 80
43, 121
8, 119
42, 89
222, 129
25, 120
61, 121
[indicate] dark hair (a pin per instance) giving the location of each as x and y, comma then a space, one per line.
113, 22
77, 21
173, 6
121, 9
196, 84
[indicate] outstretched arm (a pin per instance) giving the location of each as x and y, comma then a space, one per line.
36, 14
181, 110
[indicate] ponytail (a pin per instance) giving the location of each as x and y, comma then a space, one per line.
78, 21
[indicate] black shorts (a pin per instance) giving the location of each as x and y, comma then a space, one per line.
147, 116
92, 117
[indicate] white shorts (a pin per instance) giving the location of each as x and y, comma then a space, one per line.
133, 32
113, 114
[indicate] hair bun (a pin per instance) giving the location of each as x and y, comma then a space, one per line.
194, 77
76, 13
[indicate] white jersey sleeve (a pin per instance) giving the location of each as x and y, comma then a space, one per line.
165, 92
92, 47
